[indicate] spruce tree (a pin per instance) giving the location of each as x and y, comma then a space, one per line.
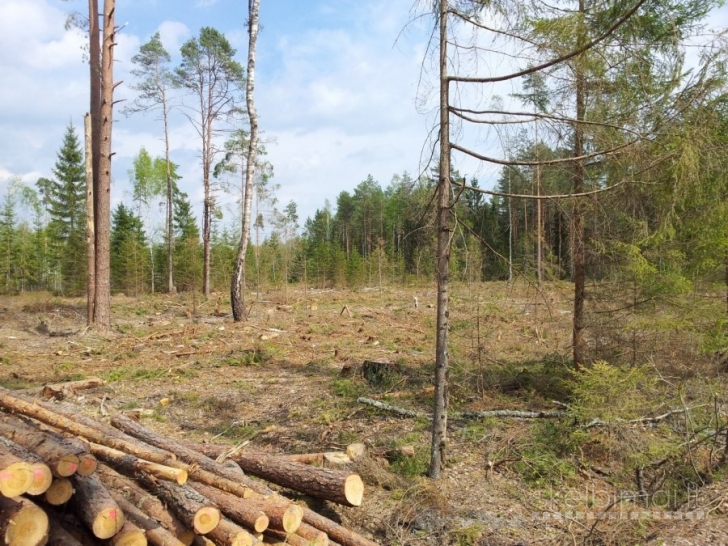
66, 197
129, 257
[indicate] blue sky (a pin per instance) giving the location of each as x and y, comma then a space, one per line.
342, 90
337, 89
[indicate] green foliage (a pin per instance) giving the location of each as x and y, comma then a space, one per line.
610, 392
130, 257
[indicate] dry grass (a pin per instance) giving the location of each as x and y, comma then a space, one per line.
288, 379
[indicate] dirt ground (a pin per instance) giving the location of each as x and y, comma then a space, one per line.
288, 380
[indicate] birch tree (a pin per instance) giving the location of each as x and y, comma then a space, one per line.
237, 288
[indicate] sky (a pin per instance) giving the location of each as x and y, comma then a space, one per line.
344, 90
339, 90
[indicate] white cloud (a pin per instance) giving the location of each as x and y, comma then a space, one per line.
173, 34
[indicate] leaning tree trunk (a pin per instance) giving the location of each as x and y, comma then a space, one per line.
439, 421
237, 288
90, 232
102, 192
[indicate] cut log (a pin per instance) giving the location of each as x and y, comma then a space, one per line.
229, 534
59, 536
129, 464
279, 537
156, 534
340, 534
96, 508
59, 454
333, 457
42, 477
130, 535
60, 391
60, 492
336, 532
64, 417
16, 476
314, 536
150, 505
188, 505
338, 486
87, 464
203, 468
237, 509
22, 523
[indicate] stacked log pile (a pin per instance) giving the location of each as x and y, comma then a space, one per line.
66, 479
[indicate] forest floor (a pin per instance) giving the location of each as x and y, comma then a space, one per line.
288, 379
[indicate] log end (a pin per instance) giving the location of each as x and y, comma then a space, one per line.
60, 492
67, 466
261, 523
87, 464
206, 519
42, 479
130, 535
30, 527
108, 522
354, 489
16, 479
292, 518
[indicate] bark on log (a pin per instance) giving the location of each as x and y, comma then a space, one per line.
60, 492
129, 464
203, 468
228, 533
237, 509
314, 536
67, 418
188, 505
59, 536
214, 451
16, 476
156, 534
73, 453
42, 477
60, 391
336, 532
60, 455
130, 535
96, 508
279, 537
338, 486
22, 523
146, 502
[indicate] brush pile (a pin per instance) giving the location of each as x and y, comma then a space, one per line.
67, 479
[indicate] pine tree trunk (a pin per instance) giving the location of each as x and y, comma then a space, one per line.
102, 191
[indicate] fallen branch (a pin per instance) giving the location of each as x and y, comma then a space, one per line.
640, 420
515, 414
